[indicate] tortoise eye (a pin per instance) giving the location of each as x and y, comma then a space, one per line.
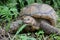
27, 19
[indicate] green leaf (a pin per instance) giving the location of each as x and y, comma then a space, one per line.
19, 30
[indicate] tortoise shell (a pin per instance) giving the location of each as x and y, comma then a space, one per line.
37, 10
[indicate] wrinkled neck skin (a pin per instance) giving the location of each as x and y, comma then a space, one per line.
35, 26
49, 29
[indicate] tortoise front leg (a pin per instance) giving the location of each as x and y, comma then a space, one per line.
49, 29
15, 25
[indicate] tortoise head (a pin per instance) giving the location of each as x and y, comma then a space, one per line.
28, 20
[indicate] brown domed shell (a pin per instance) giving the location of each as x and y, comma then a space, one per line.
40, 11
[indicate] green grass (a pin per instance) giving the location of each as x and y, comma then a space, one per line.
19, 30
10, 9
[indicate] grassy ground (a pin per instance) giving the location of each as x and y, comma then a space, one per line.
10, 9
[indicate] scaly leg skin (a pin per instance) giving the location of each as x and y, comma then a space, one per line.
49, 29
15, 25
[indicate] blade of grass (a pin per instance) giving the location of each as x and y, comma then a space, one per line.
30, 1
40, 32
39, 1
55, 4
7, 27
21, 3
19, 30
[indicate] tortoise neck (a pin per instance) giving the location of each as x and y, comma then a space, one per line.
44, 20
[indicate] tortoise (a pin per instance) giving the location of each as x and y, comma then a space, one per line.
40, 11
43, 15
